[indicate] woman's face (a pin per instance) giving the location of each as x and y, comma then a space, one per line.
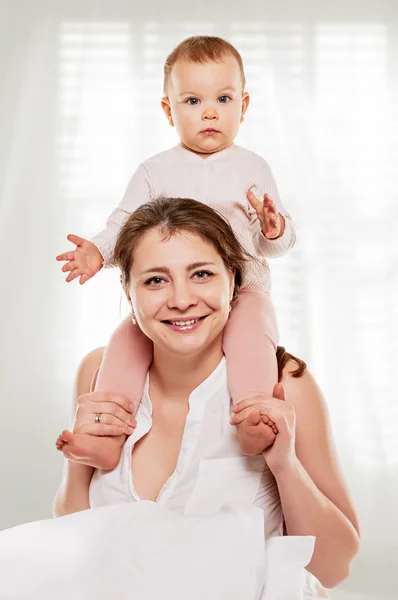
180, 292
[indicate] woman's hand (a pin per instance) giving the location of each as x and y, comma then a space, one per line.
114, 412
282, 452
102, 421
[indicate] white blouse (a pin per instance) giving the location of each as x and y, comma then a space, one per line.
211, 471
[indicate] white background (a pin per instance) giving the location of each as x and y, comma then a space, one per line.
80, 83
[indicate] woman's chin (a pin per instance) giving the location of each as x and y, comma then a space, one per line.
189, 343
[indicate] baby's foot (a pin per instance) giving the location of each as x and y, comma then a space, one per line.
256, 433
99, 452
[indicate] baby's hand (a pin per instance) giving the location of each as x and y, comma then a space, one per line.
272, 222
84, 262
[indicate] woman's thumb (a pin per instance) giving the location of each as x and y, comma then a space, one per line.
279, 392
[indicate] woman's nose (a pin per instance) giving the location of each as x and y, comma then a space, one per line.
181, 297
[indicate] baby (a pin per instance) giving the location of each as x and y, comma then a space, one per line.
205, 100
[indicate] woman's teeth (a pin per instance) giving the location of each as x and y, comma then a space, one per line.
184, 323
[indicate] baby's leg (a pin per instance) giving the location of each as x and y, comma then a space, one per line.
123, 371
125, 364
250, 341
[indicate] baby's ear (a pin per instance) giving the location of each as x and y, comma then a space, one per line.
245, 105
165, 103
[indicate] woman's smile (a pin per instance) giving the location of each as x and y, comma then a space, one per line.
180, 285
184, 325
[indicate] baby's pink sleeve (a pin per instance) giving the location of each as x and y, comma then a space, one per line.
138, 192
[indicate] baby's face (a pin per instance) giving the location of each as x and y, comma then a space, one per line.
206, 104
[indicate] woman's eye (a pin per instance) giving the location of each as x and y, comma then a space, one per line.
154, 281
192, 101
224, 99
203, 274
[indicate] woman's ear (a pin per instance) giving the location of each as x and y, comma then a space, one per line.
165, 103
245, 105
125, 290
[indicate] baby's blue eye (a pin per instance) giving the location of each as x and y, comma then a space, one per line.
223, 99
193, 101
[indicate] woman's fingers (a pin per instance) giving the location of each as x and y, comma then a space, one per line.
279, 392
114, 412
112, 408
242, 416
99, 396
104, 429
108, 425
263, 400
273, 412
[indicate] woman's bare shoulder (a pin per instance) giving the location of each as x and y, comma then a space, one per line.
301, 387
87, 370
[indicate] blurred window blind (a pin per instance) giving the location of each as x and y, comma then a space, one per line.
323, 115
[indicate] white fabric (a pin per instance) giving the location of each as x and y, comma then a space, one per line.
222, 180
144, 552
211, 471
211, 474
203, 538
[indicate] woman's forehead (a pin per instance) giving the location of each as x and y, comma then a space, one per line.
160, 248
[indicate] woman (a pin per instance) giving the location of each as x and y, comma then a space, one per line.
181, 269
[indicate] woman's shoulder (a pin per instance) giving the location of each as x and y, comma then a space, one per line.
87, 370
300, 386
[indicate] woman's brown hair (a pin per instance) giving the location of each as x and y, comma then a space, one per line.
174, 215
283, 358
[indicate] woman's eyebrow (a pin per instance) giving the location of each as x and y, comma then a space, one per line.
190, 267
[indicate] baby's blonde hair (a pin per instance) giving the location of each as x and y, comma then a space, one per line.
201, 49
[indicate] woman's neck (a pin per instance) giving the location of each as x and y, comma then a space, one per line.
177, 375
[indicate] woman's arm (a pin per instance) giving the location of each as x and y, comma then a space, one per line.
314, 496
72, 495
